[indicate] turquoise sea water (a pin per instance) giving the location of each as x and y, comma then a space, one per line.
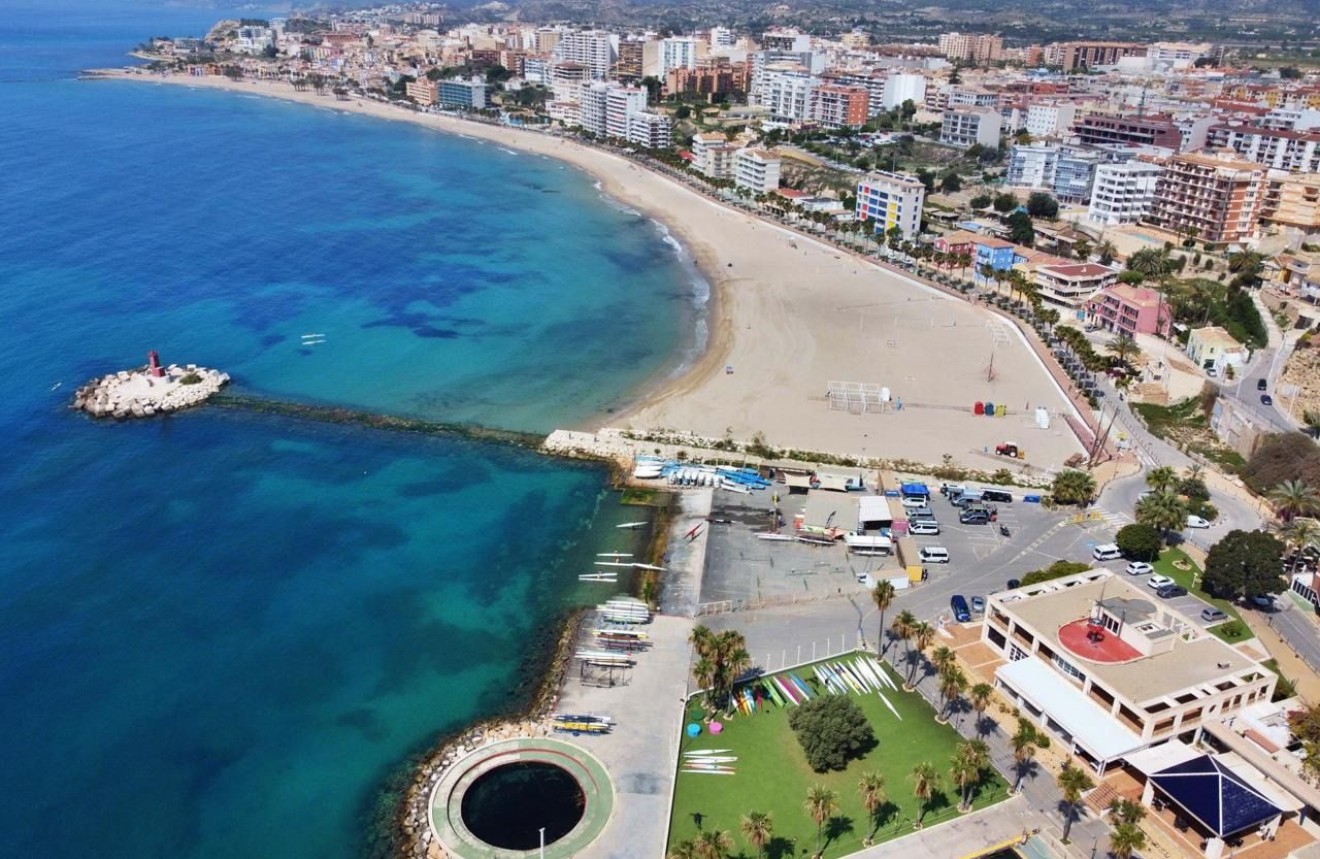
222, 633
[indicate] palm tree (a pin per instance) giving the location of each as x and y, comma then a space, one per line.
1073, 782
988, 273
1072, 486
1301, 534
1106, 252
703, 672
872, 791
1153, 263
1162, 479
683, 850
903, 626
980, 695
924, 782
922, 635
1124, 347
757, 827
883, 595
942, 657
952, 683
1162, 510
1025, 745
1246, 262
822, 804
969, 764
1294, 498
713, 844
1125, 840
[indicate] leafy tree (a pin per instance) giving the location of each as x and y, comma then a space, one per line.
832, 730
1071, 486
1135, 278
1139, 541
1056, 570
1244, 564
883, 596
822, 804
951, 183
1005, 203
1282, 457
1041, 205
871, 789
1073, 782
1020, 229
1290, 73
981, 201
1163, 511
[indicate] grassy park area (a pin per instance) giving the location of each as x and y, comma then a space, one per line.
772, 776
1175, 564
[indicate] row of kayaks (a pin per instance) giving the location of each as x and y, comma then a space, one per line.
786, 689
708, 762
624, 610
676, 473
573, 723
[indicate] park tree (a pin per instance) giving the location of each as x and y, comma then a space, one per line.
832, 730
1293, 498
1163, 511
1073, 487
1041, 205
968, 770
925, 781
883, 596
1020, 229
980, 695
721, 657
1244, 564
713, 844
871, 790
1073, 782
1027, 740
1106, 251
1151, 263
1162, 478
1139, 541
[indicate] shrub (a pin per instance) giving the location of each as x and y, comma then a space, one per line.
190, 379
832, 730
1232, 629
1056, 570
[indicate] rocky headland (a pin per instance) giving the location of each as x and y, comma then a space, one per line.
144, 392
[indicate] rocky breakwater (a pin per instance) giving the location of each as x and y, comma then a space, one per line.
145, 392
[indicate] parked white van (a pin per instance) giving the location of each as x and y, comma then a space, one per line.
926, 527
1106, 552
934, 555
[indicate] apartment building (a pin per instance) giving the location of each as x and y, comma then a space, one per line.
1213, 348
975, 48
891, 200
1273, 147
873, 82
1123, 193
712, 77
1074, 174
1049, 119
628, 63
424, 92
594, 49
1291, 200
757, 170
681, 52
836, 106
1070, 285
621, 103
1108, 669
567, 80
1219, 198
972, 96
787, 92
1085, 55
785, 40
1032, 165
463, 94
1132, 310
1099, 130
968, 126
650, 130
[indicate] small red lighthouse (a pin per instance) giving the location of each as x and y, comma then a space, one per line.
153, 364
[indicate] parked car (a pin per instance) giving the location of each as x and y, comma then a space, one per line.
978, 605
1264, 602
974, 517
1197, 522
1139, 568
1212, 615
1266, 400
1262, 384
1156, 582
1013, 584
961, 613
1171, 591
913, 501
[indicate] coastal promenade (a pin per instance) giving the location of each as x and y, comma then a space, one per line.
788, 315
641, 754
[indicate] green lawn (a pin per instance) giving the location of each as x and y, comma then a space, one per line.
1164, 566
773, 776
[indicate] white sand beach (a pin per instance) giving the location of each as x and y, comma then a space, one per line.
788, 316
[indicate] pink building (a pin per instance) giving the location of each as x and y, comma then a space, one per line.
1131, 309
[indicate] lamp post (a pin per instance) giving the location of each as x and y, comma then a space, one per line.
542, 842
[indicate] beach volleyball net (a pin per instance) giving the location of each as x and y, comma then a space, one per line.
856, 396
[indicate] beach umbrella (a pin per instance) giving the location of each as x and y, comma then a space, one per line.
693, 729
716, 727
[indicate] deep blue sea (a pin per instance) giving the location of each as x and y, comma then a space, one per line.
222, 633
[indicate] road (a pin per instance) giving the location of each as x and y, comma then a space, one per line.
1299, 630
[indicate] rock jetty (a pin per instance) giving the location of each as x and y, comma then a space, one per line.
148, 391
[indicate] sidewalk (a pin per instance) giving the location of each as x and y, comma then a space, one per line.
999, 824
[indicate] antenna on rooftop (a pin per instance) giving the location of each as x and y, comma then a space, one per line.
1141, 105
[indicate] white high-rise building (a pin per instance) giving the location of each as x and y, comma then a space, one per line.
722, 37
787, 93
1123, 193
757, 170
594, 49
971, 125
622, 102
1049, 120
1032, 166
901, 87
650, 130
680, 52
593, 109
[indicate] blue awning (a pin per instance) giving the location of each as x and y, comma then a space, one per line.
1214, 796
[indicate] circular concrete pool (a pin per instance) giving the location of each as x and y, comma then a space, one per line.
511, 805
